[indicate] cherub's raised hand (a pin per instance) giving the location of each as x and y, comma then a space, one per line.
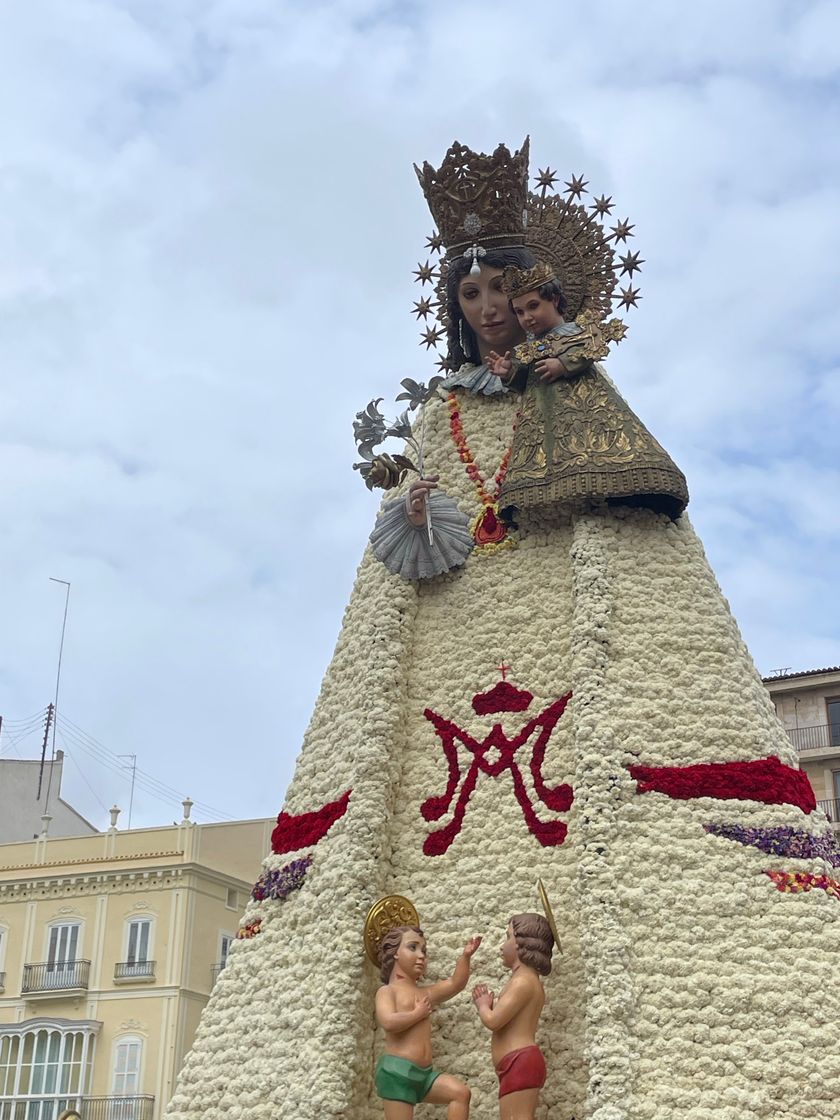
471, 946
499, 364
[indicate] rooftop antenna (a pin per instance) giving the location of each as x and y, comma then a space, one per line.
57, 682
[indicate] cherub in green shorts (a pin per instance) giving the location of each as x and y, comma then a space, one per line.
404, 1076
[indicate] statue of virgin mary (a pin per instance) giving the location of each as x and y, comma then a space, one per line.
560, 696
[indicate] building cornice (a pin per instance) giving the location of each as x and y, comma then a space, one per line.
96, 882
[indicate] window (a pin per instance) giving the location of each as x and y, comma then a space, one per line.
232, 902
225, 942
139, 936
4, 936
833, 707
61, 970
64, 941
45, 1068
127, 1055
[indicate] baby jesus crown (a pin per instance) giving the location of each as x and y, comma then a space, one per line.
517, 281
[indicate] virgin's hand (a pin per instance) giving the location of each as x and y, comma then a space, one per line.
415, 499
550, 369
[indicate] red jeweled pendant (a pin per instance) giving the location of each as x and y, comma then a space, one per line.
490, 530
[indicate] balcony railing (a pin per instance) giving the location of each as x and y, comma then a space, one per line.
217, 968
89, 1108
125, 971
822, 737
831, 809
2, 981
55, 977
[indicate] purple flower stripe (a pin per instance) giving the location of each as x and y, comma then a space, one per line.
782, 841
280, 883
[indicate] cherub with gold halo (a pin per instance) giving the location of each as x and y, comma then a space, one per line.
404, 1076
513, 1017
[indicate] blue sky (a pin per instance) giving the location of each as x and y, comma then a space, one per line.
208, 225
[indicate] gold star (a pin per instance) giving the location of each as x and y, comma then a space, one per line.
622, 230
546, 178
423, 307
603, 206
629, 296
431, 336
577, 186
424, 273
631, 263
434, 242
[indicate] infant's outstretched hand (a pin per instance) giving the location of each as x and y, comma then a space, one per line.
471, 946
498, 364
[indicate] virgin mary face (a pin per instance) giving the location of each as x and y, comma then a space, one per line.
486, 309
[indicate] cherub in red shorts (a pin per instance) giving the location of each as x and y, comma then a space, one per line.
514, 1016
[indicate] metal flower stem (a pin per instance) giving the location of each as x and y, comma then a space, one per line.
419, 447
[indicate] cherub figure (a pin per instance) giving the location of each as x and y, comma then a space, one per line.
404, 1076
514, 1016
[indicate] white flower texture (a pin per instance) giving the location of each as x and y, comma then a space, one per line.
688, 986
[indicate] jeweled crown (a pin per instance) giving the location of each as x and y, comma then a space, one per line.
517, 281
476, 199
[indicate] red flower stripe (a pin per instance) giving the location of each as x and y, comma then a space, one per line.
794, 882
764, 779
293, 832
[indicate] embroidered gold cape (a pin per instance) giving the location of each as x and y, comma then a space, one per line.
578, 444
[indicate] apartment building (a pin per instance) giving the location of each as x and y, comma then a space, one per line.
109, 946
808, 705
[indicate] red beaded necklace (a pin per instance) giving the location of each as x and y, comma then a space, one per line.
487, 528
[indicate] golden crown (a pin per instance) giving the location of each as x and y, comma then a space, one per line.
476, 199
517, 281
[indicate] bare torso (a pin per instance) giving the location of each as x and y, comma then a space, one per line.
521, 1029
415, 1043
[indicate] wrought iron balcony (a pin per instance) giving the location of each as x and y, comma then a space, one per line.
831, 809
55, 977
2, 981
822, 737
126, 971
217, 968
89, 1108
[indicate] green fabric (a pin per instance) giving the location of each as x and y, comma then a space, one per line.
398, 1079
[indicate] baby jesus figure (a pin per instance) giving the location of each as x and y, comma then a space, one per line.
554, 347
576, 444
404, 1076
514, 1016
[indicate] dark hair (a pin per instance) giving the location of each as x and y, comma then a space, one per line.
388, 947
534, 941
554, 293
457, 324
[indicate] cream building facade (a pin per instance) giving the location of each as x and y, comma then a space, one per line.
109, 947
808, 705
